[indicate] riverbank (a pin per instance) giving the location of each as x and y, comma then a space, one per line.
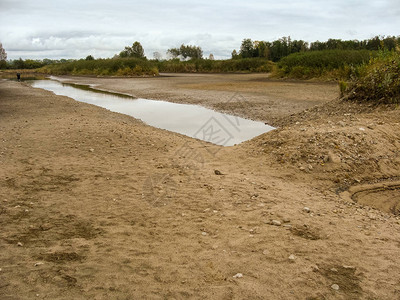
96, 204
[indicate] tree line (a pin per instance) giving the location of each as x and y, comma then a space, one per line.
273, 51
285, 46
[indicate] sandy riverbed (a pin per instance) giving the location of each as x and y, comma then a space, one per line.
98, 205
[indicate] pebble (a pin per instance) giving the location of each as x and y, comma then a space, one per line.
292, 257
307, 209
335, 287
38, 264
91, 150
276, 223
19, 244
204, 233
265, 252
349, 267
238, 275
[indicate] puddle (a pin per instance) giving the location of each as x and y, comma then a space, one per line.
191, 120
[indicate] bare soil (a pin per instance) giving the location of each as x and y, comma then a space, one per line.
98, 205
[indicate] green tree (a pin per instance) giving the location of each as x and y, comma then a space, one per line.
247, 48
174, 52
189, 51
135, 51
89, 57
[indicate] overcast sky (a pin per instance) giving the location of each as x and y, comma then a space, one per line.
76, 28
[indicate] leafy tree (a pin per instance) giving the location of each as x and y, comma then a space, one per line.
247, 49
189, 51
234, 54
174, 52
135, 51
194, 52
89, 57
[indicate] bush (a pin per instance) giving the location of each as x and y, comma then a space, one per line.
328, 63
103, 67
378, 81
216, 66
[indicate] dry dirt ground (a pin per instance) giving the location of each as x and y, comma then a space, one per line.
98, 205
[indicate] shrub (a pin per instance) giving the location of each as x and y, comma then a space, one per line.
378, 81
328, 63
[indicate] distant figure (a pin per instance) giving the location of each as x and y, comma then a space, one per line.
19, 76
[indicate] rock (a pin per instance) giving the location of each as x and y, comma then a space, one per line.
286, 220
333, 158
91, 150
19, 244
334, 270
292, 257
276, 223
307, 210
38, 264
238, 275
349, 267
265, 252
335, 287
204, 233
217, 172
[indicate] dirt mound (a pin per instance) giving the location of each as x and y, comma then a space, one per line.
352, 144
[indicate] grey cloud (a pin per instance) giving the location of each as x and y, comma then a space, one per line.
73, 29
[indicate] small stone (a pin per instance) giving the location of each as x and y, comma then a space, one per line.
315, 268
265, 252
349, 267
276, 223
91, 150
292, 257
238, 275
19, 244
217, 172
204, 233
307, 209
335, 287
361, 128
334, 270
38, 264
286, 220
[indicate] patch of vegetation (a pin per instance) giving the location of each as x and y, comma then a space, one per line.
377, 81
216, 66
103, 67
328, 64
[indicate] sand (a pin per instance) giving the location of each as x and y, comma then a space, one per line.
98, 205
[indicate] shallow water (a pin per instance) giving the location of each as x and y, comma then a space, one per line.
191, 120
